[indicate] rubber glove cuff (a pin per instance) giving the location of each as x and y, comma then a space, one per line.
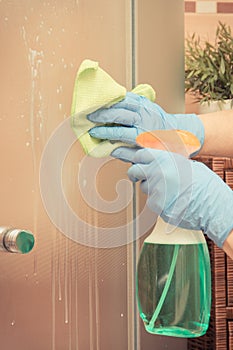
192, 123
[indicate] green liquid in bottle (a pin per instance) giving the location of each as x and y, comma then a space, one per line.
174, 289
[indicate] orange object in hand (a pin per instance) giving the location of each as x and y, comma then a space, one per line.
177, 141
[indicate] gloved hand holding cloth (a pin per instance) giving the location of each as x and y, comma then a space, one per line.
135, 114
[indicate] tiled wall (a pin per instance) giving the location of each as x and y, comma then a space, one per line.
202, 17
203, 6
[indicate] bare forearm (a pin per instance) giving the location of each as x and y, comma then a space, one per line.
218, 134
228, 245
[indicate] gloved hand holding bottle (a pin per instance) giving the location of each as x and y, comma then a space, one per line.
184, 192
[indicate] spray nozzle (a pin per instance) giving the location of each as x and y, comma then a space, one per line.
177, 141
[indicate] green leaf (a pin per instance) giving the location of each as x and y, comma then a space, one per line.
190, 74
222, 66
204, 76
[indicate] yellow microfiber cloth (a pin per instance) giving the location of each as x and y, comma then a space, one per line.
94, 89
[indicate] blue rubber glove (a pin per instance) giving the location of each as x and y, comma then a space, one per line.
136, 114
184, 193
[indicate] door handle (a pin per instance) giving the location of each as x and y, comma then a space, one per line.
14, 240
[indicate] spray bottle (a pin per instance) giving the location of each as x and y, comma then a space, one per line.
173, 272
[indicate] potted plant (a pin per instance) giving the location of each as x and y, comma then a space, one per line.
209, 70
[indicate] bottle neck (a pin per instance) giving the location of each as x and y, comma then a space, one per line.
164, 233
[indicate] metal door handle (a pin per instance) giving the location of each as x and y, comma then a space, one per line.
14, 240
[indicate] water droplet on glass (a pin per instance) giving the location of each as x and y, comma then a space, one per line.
27, 144
13, 323
122, 315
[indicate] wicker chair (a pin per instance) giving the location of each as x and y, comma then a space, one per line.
220, 333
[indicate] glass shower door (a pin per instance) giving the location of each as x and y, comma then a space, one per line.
62, 295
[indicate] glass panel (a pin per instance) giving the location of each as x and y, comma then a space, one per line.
160, 62
62, 295
160, 50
